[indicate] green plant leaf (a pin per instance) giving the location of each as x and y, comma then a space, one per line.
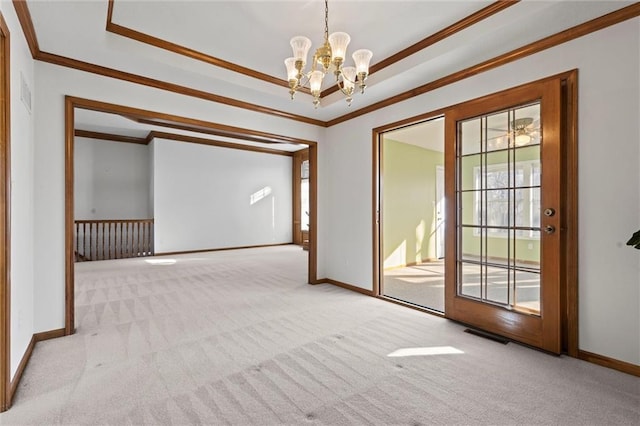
635, 240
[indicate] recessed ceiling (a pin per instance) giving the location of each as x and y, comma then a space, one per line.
255, 35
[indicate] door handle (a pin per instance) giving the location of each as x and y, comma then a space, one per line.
549, 229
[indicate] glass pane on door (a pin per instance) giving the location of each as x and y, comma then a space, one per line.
498, 191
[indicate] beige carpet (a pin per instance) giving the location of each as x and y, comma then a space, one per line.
238, 338
421, 284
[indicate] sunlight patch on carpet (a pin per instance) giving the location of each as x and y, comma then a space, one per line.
433, 350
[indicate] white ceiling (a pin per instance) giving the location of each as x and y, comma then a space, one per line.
427, 134
255, 34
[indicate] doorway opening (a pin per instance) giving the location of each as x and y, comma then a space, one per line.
301, 193
183, 130
412, 213
505, 230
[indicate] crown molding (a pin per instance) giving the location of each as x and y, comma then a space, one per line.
577, 31
464, 23
141, 37
583, 29
24, 16
434, 38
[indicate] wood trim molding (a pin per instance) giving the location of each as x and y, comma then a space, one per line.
224, 131
79, 133
35, 338
571, 210
296, 165
298, 158
462, 24
47, 335
313, 214
22, 10
136, 113
170, 87
605, 361
69, 146
5, 216
596, 24
377, 196
439, 113
110, 137
169, 120
346, 286
188, 52
24, 16
376, 201
570, 195
212, 142
212, 60
23, 364
436, 37
174, 253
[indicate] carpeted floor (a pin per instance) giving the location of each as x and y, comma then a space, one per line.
238, 338
421, 284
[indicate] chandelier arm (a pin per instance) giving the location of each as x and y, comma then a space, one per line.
344, 77
323, 61
348, 93
304, 80
342, 89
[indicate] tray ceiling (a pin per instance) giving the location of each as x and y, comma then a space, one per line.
255, 35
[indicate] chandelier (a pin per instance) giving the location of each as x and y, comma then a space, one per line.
329, 56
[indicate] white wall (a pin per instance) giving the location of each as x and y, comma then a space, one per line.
22, 192
609, 155
210, 197
609, 174
150, 158
112, 180
54, 83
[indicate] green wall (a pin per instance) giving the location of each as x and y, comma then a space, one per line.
408, 204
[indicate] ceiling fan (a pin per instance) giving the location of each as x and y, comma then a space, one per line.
522, 131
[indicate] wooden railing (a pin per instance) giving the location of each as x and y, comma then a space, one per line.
113, 239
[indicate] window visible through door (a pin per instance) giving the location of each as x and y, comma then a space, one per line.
499, 198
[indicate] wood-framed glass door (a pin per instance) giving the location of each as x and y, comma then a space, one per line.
503, 163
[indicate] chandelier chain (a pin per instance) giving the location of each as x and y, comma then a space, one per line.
326, 20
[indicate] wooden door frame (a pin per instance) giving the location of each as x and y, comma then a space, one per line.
5, 218
377, 174
569, 196
544, 330
71, 103
298, 158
